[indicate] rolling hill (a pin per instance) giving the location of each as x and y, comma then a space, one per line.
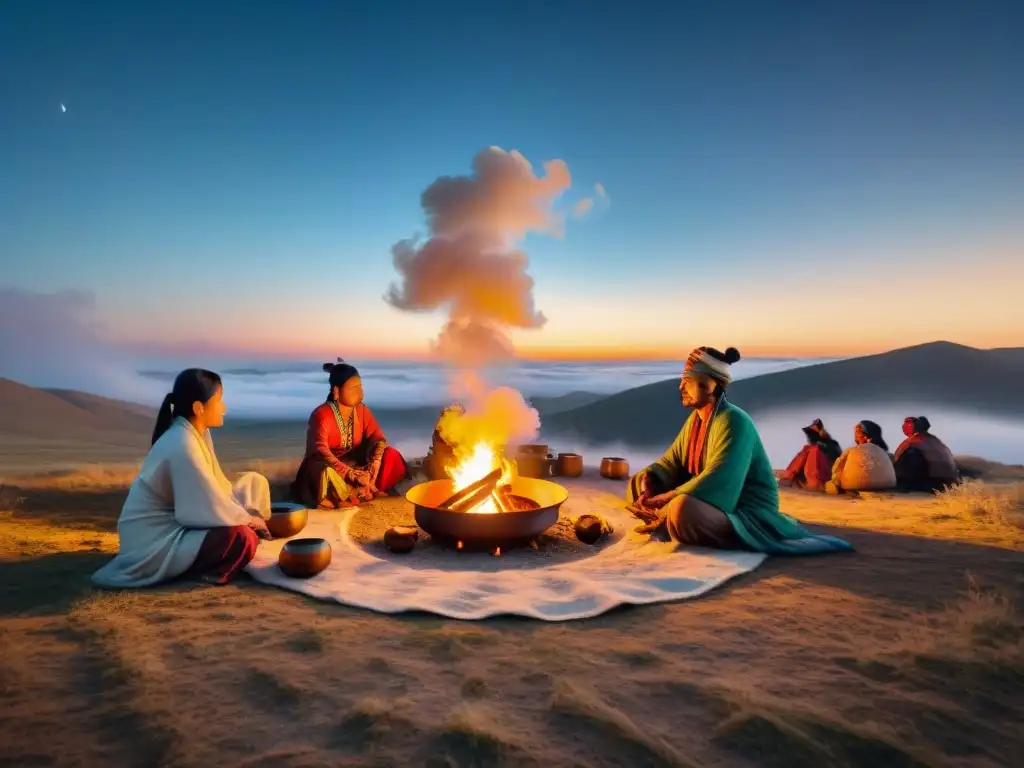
939, 374
63, 413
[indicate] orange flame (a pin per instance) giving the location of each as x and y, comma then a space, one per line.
482, 460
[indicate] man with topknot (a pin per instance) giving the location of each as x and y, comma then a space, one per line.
715, 486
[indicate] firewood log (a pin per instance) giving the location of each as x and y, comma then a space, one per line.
501, 498
476, 498
488, 481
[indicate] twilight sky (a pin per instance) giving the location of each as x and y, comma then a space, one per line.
787, 177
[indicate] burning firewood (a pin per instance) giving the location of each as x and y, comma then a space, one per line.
502, 498
474, 493
522, 503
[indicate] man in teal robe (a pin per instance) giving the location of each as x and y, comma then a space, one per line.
715, 486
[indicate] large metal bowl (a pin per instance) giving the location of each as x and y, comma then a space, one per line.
487, 530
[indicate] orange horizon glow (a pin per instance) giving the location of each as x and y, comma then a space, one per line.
532, 353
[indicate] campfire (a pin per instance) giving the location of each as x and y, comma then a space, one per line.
483, 485
485, 503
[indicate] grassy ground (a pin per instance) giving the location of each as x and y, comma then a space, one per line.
909, 652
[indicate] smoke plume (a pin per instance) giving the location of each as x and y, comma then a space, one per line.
469, 265
496, 416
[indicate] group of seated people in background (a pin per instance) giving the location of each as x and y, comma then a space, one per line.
713, 487
921, 463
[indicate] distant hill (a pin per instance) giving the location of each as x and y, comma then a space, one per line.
45, 413
939, 374
548, 406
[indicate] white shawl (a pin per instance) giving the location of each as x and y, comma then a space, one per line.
179, 494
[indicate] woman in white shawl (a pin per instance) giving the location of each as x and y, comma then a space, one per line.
183, 517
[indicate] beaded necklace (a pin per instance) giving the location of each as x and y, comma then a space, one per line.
347, 429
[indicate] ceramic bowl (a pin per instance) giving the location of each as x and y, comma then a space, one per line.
614, 468
302, 558
286, 519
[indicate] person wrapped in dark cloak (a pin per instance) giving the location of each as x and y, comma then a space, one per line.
923, 462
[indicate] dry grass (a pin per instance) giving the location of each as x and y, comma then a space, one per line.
106, 477
910, 652
975, 500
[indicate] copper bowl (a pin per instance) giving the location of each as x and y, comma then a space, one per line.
287, 519
302, 558
569, 465
614, 468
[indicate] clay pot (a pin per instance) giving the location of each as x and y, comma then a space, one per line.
590, 528
400, 539
302, 558
286, 520
534, 461
614, 468
569, 465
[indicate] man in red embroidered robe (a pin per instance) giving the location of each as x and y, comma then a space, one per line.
348, 459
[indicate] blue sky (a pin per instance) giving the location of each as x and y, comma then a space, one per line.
235, 171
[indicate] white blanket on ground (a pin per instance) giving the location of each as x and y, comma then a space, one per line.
460, 585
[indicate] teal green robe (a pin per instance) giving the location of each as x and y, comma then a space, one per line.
738, 479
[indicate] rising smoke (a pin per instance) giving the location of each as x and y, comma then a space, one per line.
470, 267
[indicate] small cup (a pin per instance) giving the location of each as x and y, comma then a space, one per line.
286, 520
569, 465
614, 468
303, 558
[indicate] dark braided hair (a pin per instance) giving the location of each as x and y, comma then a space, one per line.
193, 385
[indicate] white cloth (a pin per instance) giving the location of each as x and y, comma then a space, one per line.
179, 494
630, 569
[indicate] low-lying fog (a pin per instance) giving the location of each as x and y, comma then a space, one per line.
964, 433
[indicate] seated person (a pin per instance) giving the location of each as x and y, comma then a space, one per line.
714, 487
866, 465
440, 454
812, 466
183, 517
348, 459
923, 462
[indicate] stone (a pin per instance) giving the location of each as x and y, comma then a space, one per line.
590, 529
401, 539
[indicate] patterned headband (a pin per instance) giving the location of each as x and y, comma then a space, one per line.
700, 362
